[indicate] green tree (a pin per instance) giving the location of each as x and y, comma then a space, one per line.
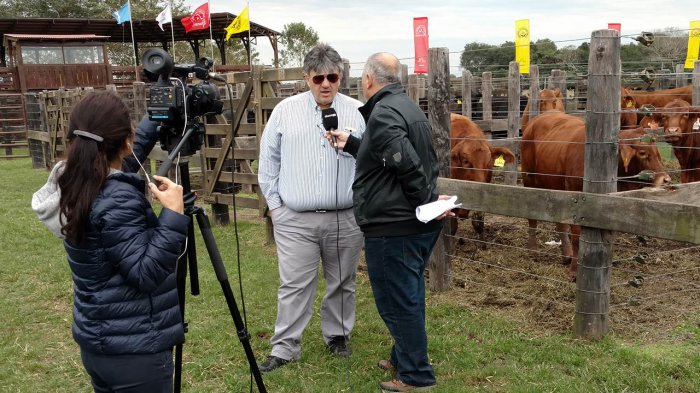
297, 40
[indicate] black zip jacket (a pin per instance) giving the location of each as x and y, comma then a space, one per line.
396, 166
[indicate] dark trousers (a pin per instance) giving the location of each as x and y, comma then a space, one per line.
395, 266
133, 373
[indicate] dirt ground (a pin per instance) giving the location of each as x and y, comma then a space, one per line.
655, 282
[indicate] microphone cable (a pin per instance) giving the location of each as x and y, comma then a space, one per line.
235, 215
340, 272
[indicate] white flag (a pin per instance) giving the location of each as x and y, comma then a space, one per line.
164, 17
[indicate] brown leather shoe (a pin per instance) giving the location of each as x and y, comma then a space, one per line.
396, 385
385, 365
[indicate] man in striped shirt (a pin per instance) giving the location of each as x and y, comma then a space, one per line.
308, 188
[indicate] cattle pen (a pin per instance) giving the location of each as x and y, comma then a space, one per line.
226, 170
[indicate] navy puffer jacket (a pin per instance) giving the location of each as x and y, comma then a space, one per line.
124, 273
125, 296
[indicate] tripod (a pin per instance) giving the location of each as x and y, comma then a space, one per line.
191, 256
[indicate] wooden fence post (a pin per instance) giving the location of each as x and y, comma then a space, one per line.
534, 109
345, 88
404, 75
360, 93
664, 79
413, 89
559, 81
696, 84
486, 96
511, 169
440, 267
681, 79
600, 173
467, 94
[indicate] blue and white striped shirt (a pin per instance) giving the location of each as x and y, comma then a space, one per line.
297, 165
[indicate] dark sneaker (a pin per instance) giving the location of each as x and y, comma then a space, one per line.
338, 345
396, 385
272, 362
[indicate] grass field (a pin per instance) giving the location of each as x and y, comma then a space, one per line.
471, 350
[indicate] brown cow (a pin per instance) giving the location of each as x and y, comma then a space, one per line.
472, 159
657, 98
681, 124
559, 166
550, 100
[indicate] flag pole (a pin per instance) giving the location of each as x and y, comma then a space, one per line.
172, 28
250, 47
211, 36
133, 44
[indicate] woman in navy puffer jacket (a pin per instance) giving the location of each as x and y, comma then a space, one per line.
126, 316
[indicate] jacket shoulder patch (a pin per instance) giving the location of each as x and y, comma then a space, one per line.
397, 157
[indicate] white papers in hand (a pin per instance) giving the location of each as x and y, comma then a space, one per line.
429, 211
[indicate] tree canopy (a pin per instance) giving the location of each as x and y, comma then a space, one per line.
297, 40
669, 47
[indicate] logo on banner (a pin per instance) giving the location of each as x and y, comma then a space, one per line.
695, 33
199, 19
420, 31
523, 32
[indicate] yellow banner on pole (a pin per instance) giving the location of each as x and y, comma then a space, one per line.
693, 44
239, 25
522, 44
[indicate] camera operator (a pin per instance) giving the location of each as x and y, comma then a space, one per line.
126, 316
307, 186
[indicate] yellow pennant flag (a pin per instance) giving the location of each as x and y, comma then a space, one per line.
240, 24
693, 44
522, 44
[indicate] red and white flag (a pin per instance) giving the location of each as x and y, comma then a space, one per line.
199, 20
420, 42
615, 26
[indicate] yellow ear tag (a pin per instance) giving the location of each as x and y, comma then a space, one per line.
629, 104
499, 162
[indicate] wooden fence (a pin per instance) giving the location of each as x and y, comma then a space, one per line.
668, 213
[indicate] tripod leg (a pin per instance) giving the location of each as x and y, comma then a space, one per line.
222, 277
181, 278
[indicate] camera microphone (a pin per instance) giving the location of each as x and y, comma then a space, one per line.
330, 123
217, 77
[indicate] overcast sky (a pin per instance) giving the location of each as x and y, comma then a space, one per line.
358, 28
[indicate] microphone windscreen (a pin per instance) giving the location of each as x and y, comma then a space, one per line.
330, 119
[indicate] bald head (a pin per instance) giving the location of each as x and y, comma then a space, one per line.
384, 68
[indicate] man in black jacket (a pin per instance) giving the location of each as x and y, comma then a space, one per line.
396, 172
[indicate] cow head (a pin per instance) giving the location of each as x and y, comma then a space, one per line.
551, 100
638, 152
473, 160
676, 120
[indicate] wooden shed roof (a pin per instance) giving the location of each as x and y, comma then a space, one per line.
145, 30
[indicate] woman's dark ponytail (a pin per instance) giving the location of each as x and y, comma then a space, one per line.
104, 116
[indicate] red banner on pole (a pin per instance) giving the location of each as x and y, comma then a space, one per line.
615, 26
199, 20
420, 42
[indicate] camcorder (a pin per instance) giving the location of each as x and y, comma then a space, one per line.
179, 106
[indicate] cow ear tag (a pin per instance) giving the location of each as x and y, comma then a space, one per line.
499, 162
696, 125
629, 104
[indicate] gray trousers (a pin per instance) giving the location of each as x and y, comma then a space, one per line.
304, 238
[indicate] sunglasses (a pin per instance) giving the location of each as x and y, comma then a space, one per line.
318, 79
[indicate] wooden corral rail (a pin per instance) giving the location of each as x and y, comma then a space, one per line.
668, 214
48, 118
13, 129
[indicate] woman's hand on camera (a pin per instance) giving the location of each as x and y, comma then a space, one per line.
168, 194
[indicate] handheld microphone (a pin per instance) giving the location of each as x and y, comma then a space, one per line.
330, 123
